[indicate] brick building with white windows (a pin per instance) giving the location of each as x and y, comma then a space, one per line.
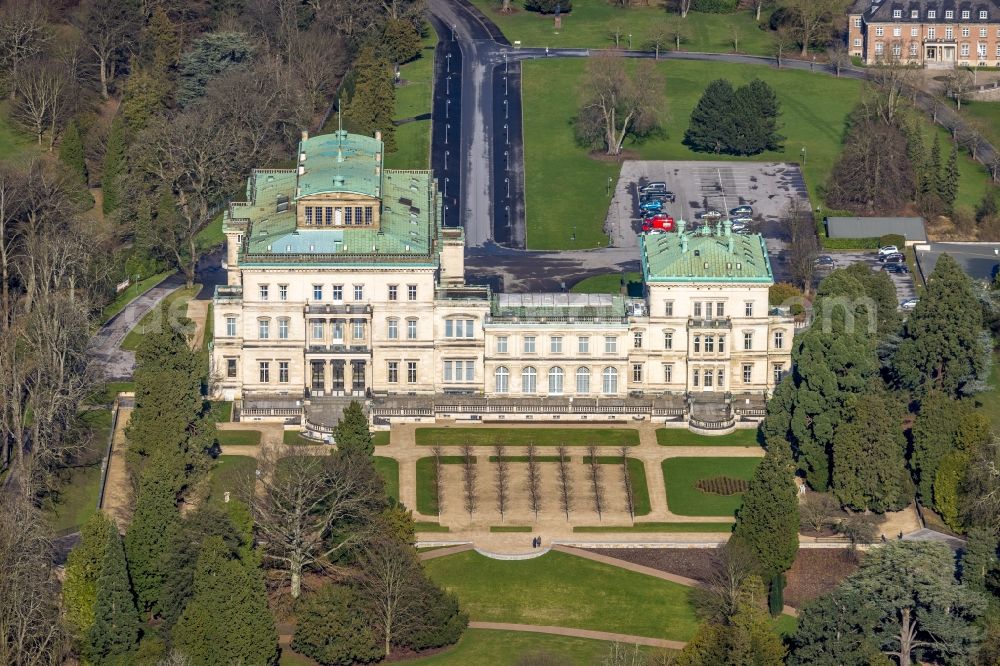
343, 283
932, 33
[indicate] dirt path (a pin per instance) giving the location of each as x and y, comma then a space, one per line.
197, 312
117, 494
580, 633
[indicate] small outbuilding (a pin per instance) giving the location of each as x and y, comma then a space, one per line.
910, 228
981, 261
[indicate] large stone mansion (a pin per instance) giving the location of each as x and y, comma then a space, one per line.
343, 281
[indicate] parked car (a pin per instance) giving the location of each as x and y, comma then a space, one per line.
897, 258
887, 249
655, 206
741, 226
892, 267
655, 196
709, 215
657, 186
742, 219
825, 261
741, 211
658, 224
669, 196
909, 303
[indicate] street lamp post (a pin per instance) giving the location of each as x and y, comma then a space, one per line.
609, 186
445, 187
446, 153
448, 60
803, 153
506, 129
447, 107
447, 128
630, 41
507, 180
505, 109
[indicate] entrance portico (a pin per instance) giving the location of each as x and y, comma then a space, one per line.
939, 54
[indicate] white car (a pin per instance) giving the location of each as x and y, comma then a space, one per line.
909, 304
887, 250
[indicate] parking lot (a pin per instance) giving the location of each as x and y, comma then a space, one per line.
700, 186
905, 285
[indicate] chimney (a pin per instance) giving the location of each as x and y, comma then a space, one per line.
305, 135
378, 135
681, 226
302, 170
378, 157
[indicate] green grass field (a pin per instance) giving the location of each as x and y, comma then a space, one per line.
380, 438
684, 437
176, 303
413, 98
15, 144
526, 436
972, 176
227, 475
684, 499
658, 527
610, 283
295, 438
590, 22
130, 294
211, 236
427, 500
238, 437
424, 526
988, 116
565, 590
814, 109
77, 488
989, 401
484, 647
388, 469
105, 394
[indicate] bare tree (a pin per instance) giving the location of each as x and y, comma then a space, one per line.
860, 529
891, 80
319, 60
819, 510
503, 478
301, 505
813, 18
565, 483
734, 37
624, 654
31, 633
803, 245
839, 56
683, 7
469, 479
534, 481
616, 29
758, 6
596, 483
618, 103
627, 482
970, 137
24, 33
109, 29
725, 588
677, 30
659, 36
41, 97
392, 584
438, 480
784, 39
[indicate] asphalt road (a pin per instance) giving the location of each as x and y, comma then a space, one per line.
446, 121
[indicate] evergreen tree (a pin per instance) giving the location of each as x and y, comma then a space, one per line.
869, 470
161, 43
942, 347
934, 173
143, 96
227, 620
400, 41
711, 119
768, 521
333, 628
145, 540
351, 434
947, 486
374, 99
816, 643
916, 153
764, 110
949, 180
114, 166
115, 631
71, 151
878, 286
979, 558
83, 569
210, 56
933, 433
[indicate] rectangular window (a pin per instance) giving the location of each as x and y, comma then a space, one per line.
637, 339
359, 330
857, 42
747, 341
722, 344
283, 372
265, 372
965, 50
338, 292
470, 328
263, 328
338, 331
857, 21
393, 292
448, 370
779, 372
913, 49
981, 51
747, 373
709, 344
610, 344
393, 367
931, 33
282, 329
393, 326
720, 378
897, 13
583, 345
263, 292
965, 32
949, 14
411, 329
879, 48
317, 327
348, 218
317, 292
231, 368
949, 32
357, 214
748, 309
931, 14
914, 31
502, 344
309, 215
982, 14
329, 215
668, 309
359, 292
965, 14
282, 292
231, 326
555, 344
779, 339
470, 371
668, 372
637, 373
411, 292
694, 378
707, 378
459, 328
668, 339
879, 31
583, 380
697, 308
529, 344
897, 32
368, 215
411, 372
697, 344
982, 32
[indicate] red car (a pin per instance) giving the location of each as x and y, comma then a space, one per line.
658, 224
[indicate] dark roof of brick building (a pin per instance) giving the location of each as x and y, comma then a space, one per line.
879, 11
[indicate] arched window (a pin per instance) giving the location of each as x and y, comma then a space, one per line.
697, 344
555, 381
610, 377
583, 380
529, 377
502, 378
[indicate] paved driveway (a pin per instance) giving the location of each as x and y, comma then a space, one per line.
905, 287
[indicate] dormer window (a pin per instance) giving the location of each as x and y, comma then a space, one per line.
931, 14
897, 13
914, 14
982, 14
949, 14
965, 13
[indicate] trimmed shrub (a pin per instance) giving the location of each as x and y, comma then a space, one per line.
714, 6
850, 243
548, 6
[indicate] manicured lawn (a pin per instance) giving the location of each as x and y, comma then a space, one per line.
484, 647
785, 625
388, 469
134, 291
814, 109
211, 236
15, 145
221, 411
238, 437
526, 436
658, 527
988, 115
106, 394
609, 283
176, 304
77, 488
227, 476
413, 98
684, 437
989, 401
423, 526
588, 25
380, 438
564, 590
427, 500
295, 438
684, 499
413, 141
511, 528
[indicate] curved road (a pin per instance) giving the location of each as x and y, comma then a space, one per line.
484, 167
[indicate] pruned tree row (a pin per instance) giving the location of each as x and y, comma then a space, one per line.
469, 475
534, 481
502, 479
627, 482
565, 483
596, 483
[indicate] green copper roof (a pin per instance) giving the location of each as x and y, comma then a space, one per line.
704, 257
332, 157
